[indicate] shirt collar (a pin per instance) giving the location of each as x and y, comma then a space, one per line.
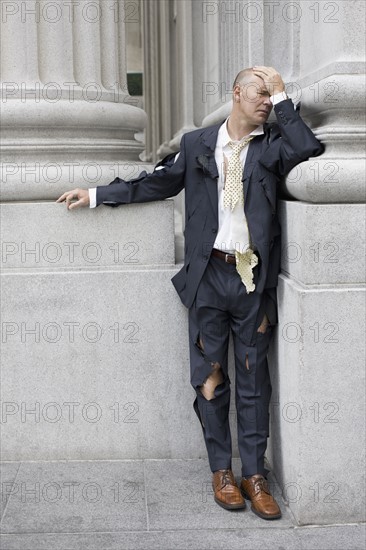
225, 138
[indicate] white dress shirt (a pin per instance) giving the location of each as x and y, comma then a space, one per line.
233, 231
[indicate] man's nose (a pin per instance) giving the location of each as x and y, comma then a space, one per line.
267, 101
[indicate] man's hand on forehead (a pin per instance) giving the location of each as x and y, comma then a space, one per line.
272, 79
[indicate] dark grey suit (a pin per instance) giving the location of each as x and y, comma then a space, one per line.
270, 156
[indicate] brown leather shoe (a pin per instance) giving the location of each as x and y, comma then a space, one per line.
255, 488
227, 492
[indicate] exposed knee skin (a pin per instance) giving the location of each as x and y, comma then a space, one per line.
215, 379
264, 324
210, 384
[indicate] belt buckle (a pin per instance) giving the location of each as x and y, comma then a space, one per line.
227, 256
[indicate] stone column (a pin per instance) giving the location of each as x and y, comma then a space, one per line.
157, 80
67, 118
168, 83
168, 73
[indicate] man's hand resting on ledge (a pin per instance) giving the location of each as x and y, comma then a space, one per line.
75, 198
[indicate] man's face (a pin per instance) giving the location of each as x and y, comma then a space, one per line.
252, 101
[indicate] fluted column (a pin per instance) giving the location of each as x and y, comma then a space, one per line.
66, 114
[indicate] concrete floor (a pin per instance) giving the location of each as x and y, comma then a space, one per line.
143, 505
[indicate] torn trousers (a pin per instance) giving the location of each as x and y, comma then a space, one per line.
223, 306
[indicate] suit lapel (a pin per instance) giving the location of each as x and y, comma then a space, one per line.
208, 140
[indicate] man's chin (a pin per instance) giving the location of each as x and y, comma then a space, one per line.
260, 119
263, 115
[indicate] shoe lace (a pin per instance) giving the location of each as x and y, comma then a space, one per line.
261, 485
227, 478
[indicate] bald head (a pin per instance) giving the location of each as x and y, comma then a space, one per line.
244, 76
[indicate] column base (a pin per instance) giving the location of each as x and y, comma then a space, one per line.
47, 147
317, 408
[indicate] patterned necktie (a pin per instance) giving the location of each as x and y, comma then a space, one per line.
234, 195
233, 192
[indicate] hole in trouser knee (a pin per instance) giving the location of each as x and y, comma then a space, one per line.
263, 327
199, 343
250, 358
216, 378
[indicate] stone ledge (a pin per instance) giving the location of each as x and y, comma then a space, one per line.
41, 235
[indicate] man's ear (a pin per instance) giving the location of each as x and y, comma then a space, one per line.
236, 93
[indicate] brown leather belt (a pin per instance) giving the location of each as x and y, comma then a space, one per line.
228, 258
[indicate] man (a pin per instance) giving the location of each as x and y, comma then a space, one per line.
228, 282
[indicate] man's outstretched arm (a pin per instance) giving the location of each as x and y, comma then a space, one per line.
167, 180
